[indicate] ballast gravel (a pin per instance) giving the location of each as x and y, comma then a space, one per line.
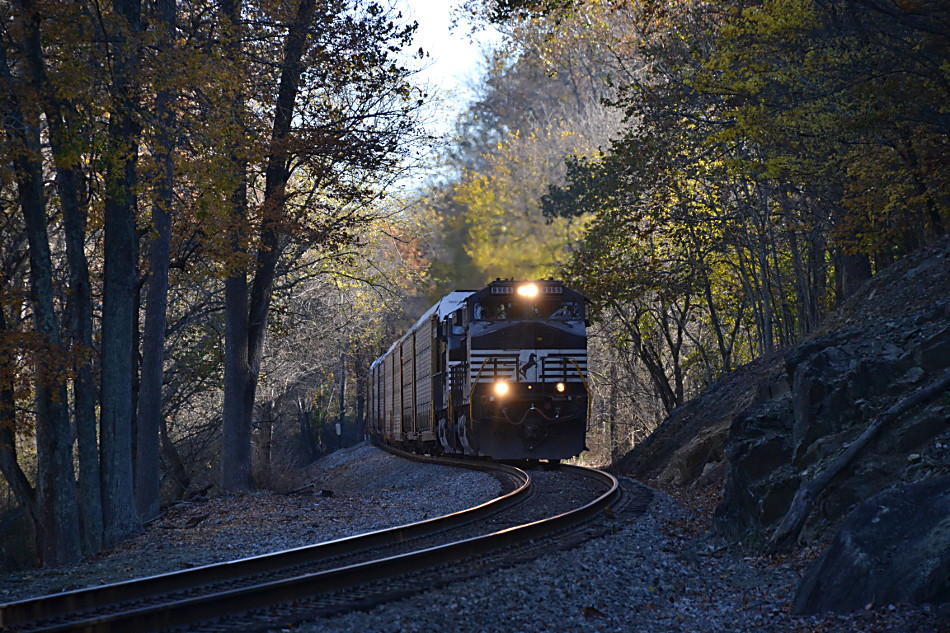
644, 577
651, 574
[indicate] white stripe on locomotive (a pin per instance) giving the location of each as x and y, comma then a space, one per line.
553, 364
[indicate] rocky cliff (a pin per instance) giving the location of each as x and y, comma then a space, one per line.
870, 379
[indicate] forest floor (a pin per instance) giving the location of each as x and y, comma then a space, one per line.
656, 572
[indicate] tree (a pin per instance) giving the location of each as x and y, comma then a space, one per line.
506, 232
149, 417
540, 102
120, 247
236, 427
56, 509
337, 78
71, 183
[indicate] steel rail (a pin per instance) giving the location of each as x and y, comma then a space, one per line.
19, 614
333, 581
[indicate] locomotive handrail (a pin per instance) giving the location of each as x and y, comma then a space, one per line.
580, 374
471, 390
586, 387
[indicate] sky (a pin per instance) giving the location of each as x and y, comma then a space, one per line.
455, 54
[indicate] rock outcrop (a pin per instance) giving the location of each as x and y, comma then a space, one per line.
771, 427
838, 383
894, 548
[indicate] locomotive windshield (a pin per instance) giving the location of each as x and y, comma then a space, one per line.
509, 309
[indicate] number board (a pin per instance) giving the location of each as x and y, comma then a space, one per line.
552, 290
502, 290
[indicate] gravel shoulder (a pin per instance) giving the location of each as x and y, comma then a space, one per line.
655, 572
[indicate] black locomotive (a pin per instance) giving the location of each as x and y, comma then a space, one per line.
498, 372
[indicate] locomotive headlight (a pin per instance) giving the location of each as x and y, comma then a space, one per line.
528, 290
501, 388
560, 387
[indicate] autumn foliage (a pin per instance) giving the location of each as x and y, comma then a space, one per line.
155, 154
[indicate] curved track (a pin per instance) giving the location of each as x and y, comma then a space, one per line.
318, 579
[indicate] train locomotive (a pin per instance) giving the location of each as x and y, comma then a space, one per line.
499, 372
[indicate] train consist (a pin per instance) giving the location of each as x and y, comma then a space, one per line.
499, 372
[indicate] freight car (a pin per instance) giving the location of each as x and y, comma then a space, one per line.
499, 372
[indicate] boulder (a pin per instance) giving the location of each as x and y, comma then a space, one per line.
689, 462
836, 390
684, 445
760, 483
893, 548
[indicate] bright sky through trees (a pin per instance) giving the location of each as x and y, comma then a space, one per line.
455, 53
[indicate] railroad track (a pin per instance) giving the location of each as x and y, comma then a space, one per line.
261, 592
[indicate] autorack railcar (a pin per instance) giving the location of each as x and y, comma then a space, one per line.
499, 372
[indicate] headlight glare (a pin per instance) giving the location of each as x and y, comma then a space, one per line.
560, 387
528, 290
501, 388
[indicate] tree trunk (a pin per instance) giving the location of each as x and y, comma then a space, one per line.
69, 185
852, 271
613, 440
750, 287
650, 359
147, 486
277, 173
265, 439
342, 415
306, 433
725, 347
84, 383
58, 524
118, 302
173, 464
818, 269
361, 384
23, 491
241, 388
236, 474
